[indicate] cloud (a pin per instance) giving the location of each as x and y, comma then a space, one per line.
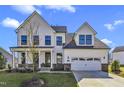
26, 9
106, 41
10, 22
68, 8
118, 22
109, 26
112, 26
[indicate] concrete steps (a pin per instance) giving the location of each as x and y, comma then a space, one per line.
45, 69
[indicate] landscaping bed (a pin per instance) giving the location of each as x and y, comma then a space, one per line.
121, 73
50, 79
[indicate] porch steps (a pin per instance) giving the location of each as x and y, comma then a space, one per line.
45, 69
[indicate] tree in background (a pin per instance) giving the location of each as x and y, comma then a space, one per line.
2, 62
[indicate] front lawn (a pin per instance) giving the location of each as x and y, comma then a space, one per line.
51, 79
121, 69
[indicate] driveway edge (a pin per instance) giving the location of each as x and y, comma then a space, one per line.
76, 78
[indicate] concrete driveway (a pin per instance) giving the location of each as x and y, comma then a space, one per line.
98, 79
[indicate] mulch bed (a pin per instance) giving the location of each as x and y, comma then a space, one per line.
34, 82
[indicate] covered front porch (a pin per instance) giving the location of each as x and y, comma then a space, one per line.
27, 58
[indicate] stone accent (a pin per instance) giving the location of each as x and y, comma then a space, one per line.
67, 67
105, 67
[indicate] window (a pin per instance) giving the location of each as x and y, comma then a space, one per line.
59, 57
90, 59
36, 40
89, 39
59, 40
74, 59
47, 40
23, 58
23, 40
81, 59
81, 39
96, 59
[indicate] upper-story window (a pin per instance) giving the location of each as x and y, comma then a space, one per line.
24, 40
88, 39
59, 40
81, 39
47, 40
36, 40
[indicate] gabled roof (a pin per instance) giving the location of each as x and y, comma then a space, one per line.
97, 45
60, 29
86, 24
118, 49
29, 18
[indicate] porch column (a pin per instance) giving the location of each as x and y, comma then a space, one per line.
51, 59
39, 59
13, 59
26, 57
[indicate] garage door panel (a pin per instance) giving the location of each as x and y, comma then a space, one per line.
88, 66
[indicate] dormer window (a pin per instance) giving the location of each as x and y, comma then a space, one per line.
81, 39
88, 39
85, 39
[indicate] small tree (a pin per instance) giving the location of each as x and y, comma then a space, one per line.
2, 62
32, 29
115, 66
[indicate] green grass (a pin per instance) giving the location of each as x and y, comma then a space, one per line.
121, 69
51, 79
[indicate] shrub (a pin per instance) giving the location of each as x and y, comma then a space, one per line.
115, 66
2, 62
9, 68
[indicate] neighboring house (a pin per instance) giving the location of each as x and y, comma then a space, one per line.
75, 51
7, 56
118, 54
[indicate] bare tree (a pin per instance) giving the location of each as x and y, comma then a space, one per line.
31, 29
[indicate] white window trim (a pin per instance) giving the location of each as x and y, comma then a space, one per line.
85, 40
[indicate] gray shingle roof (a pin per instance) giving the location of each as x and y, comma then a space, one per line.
60, 29
97, 45
68, 37
118, 49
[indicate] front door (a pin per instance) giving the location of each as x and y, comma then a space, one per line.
47, 59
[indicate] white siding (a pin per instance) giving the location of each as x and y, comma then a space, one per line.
119, 56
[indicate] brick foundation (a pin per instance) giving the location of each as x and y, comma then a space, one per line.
67, 67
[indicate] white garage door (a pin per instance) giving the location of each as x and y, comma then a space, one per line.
86, 65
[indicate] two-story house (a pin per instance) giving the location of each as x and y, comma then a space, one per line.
54, 45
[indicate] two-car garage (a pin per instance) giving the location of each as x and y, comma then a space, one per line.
86, 64
86, 59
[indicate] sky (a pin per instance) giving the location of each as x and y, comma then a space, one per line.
108, 21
